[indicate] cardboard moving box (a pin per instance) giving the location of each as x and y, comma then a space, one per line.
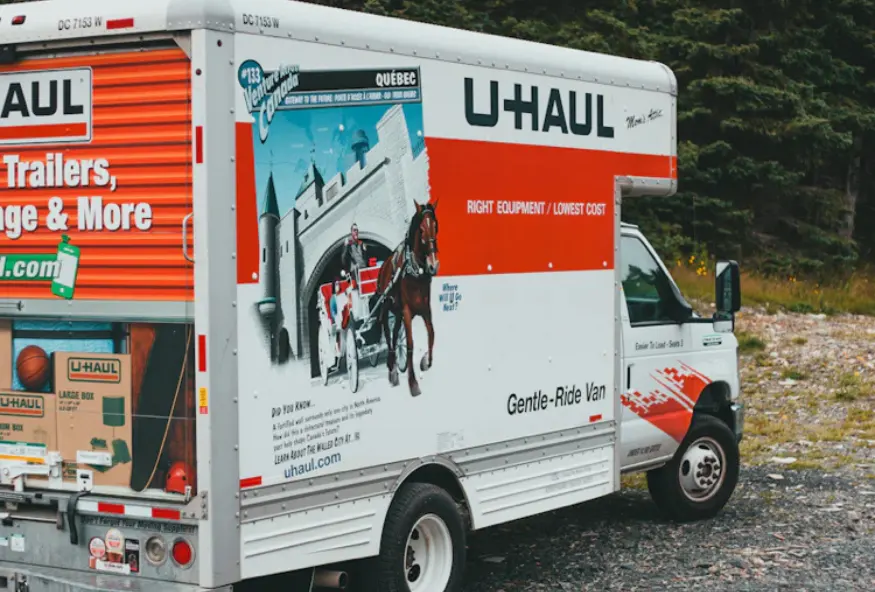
28, 426
94, 415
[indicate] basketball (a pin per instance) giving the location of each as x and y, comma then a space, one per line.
33, 368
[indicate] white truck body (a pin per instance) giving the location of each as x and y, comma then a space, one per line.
180, 180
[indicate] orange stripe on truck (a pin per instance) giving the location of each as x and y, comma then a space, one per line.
247, 207
33, 132
574, 225
574, 233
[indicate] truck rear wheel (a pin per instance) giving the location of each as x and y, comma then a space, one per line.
698, 482
423, 543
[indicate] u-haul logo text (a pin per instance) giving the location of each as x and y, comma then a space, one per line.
540, 109
22, 405
49, 106
91, 370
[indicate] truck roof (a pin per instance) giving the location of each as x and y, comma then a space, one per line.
45, 20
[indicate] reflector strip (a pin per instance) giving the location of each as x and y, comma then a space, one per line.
199, 144
201, 353
594, 418
134, 511
124, 23
250, 482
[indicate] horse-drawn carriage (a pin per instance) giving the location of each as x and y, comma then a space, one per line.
349, 327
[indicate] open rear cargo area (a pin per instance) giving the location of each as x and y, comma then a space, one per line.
96, 281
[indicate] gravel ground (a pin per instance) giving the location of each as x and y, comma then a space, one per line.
809, 386
803, 531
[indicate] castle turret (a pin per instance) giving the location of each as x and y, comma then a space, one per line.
360, 145
267, 223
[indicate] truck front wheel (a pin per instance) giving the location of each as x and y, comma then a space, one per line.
423, 544
698, 482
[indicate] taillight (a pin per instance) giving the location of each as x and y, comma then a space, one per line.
182, 553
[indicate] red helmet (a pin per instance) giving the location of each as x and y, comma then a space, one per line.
178, 477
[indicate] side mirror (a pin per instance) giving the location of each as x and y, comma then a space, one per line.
727, 296
727, 287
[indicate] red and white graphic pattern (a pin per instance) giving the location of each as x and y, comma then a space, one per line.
669, 408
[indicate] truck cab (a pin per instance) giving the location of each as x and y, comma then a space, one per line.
680, 372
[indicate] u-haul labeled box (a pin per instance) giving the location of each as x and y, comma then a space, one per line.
46, 106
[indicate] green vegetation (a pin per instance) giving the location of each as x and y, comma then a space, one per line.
793, 374
851, 387
826, 421
637, 481
748, 342
854, 294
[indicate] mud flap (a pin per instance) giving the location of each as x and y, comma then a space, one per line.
163, 385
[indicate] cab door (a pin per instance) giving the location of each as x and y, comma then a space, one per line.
656, 409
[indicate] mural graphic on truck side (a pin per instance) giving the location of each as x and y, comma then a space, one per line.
347, 259
379, 234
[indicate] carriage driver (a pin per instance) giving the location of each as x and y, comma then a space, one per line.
353, 260
353, 256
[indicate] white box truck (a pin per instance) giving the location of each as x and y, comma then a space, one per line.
285, 287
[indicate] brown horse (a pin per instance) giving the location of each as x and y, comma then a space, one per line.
407, 276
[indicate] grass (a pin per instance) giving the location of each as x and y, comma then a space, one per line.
789, 422
634, 481
855, 295
852, 387
793, 374
749, 343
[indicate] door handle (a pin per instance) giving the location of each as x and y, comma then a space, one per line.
628, 376
185, 236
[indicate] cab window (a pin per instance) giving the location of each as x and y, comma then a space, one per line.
649, 297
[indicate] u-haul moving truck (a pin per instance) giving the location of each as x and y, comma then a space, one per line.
284, 287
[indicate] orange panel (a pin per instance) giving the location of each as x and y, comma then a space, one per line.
141, 125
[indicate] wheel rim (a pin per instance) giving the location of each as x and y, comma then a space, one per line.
428, 562
702, 470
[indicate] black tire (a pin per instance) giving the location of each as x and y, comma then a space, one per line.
412, 502
664, 483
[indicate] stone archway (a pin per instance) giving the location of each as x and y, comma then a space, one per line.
323, 272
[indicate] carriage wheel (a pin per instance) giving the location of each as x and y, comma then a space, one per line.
324, 345
401, 350
352, 359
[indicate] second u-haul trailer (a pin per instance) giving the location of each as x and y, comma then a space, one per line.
285, 287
